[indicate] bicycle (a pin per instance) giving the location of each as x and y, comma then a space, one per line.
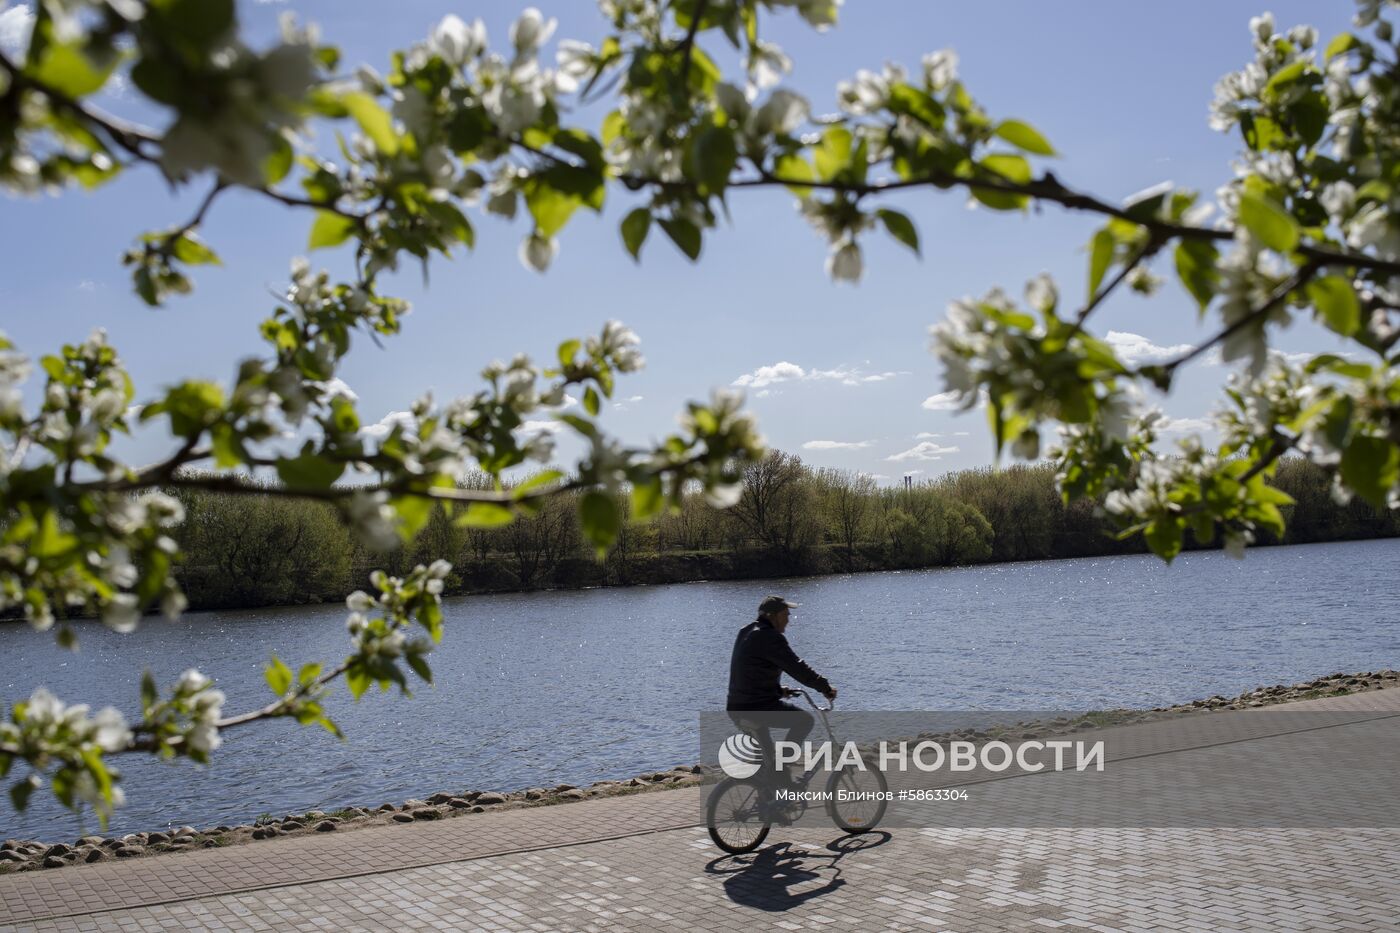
739, 814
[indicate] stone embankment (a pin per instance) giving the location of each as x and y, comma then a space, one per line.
28, 855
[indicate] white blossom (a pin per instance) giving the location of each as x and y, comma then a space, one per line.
1041, 293
121, 613
940, 68
455, 42
844, 264
531, 31
767, 64
538, 251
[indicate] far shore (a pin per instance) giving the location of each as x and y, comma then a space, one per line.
707, 567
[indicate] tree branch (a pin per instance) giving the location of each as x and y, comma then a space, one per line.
128, 136
687, 44
1280, 295
1147, 251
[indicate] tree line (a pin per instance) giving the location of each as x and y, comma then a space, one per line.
791, 519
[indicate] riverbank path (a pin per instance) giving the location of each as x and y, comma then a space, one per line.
642, 863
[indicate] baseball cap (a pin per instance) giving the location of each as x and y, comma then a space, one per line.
774, 603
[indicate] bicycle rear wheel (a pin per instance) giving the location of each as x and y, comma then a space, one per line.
857, 798
734, 818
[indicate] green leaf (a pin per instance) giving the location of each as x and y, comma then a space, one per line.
277, 165
1013, 168
598, 515
685, 235
419, 666
1025, 137
1164, 535
374, 120
413, 513
1196, 267
149, 693
647, 498
1274, 226
309, 471
1340, 45
357, 679
792, 167
550, 206
195, 23
1336, 301
833, 153
567, 350
901, 228
330, 229
278, 676
485, 515
188, 248
1371, 466
715, 154
1262, 133
635, 227
1286, 75
20, 791
591, 402
907, 99
542, 478
68, 70
1000, 200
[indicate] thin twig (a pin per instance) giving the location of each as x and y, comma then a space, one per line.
1147, 251
687, 44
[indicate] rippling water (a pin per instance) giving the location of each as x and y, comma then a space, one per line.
579, 686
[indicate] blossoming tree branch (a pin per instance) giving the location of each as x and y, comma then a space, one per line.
1304, 227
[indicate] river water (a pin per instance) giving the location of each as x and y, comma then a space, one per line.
541, 688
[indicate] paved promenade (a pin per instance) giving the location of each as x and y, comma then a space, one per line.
641, 863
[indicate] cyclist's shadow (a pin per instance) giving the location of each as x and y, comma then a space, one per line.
780, 877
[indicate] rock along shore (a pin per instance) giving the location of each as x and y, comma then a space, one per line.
29, 855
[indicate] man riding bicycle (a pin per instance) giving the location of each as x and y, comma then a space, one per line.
761, 656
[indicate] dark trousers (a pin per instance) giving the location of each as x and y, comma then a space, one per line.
760, 724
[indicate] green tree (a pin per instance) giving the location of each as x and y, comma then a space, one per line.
1305, 227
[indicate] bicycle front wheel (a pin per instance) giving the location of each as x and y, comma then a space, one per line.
734, 818
857, 798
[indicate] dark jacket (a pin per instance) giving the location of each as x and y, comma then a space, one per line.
761, 655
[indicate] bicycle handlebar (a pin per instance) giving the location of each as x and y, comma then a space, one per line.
830, 704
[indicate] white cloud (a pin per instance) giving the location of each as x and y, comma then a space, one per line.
87, 285
925, 435
960, 434
943, 401
541, 427
790, 372
1135, 349
1185, 425
836, 445
768, 375
622, 403
926, 450
15, 25
380, 429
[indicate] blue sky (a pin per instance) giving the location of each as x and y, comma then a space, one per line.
1120, 89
